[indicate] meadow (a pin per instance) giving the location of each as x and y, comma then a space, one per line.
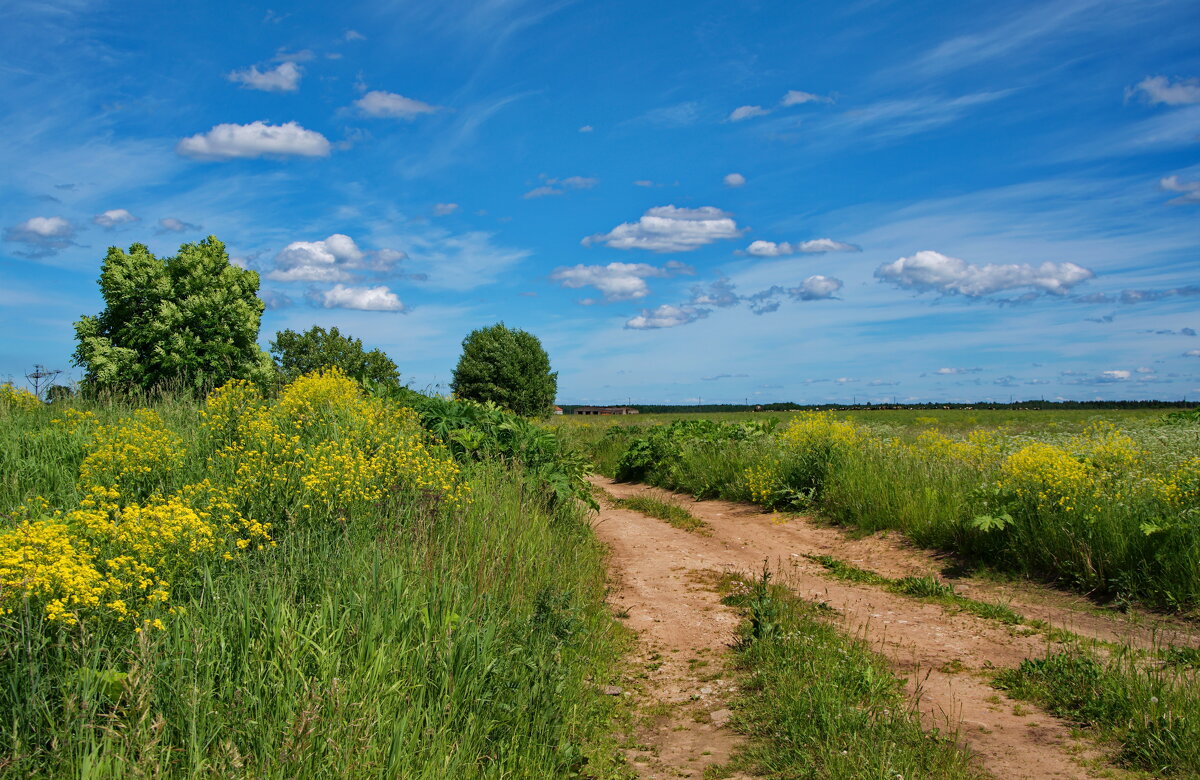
1107, 503
316, 582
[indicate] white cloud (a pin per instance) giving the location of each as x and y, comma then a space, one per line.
560, 186
1190, 189
1145, 370
586, 129
670, 229
173, 225
747, 112
257, 139
665, 316
330, 260
618, 281
362, 298
643, 183
284, 77
442, 209
380, 104
795, 97
929, 270
1117, 375
353, 35
957, 371
113, 217
734, 180
1160, 89
43, 235
815, 246
816, 288
1192, 353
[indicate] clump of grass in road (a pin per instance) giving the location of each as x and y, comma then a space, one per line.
926, 588
1149, 709
671, 512
816, 703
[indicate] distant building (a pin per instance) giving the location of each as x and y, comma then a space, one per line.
558, 410
605, 410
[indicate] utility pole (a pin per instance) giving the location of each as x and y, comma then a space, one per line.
39, 373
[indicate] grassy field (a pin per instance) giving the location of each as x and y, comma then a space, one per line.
299, 586
1105, 502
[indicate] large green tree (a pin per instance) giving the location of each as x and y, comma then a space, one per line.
185, 322
508, 367
299, 353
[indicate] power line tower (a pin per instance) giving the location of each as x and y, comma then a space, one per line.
39, 373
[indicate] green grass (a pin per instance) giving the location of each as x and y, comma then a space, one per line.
669, 511
1148, 709
927, 588
413, 640
1125, 543
816, 703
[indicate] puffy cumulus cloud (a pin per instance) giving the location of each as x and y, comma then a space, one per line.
1192, 353
43, 235
734, 180
560, 186
362, 298
114, 217
617, 281
932, 271
747, 112
795, 97
1112, 376
670, 229
720, 294
665, 316
1190, 190
443, 209
330, 260
284, 77
956, 371
173, 225
816, 288
815, 246
388, 105
257, 139
1160, 89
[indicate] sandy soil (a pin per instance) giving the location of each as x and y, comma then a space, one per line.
943, 655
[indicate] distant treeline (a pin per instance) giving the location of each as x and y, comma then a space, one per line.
793, 407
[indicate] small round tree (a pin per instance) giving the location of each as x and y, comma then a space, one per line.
317, 348
508, 367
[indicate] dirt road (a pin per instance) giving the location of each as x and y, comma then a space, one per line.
683, 629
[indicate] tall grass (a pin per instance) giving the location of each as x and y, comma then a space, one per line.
1146, 707
403, 637
1114, 512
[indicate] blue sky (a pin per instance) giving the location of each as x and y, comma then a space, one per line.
683, 200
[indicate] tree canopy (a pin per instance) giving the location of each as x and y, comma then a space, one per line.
299, 353
189, 322
507, 367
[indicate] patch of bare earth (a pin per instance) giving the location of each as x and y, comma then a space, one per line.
945, 656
